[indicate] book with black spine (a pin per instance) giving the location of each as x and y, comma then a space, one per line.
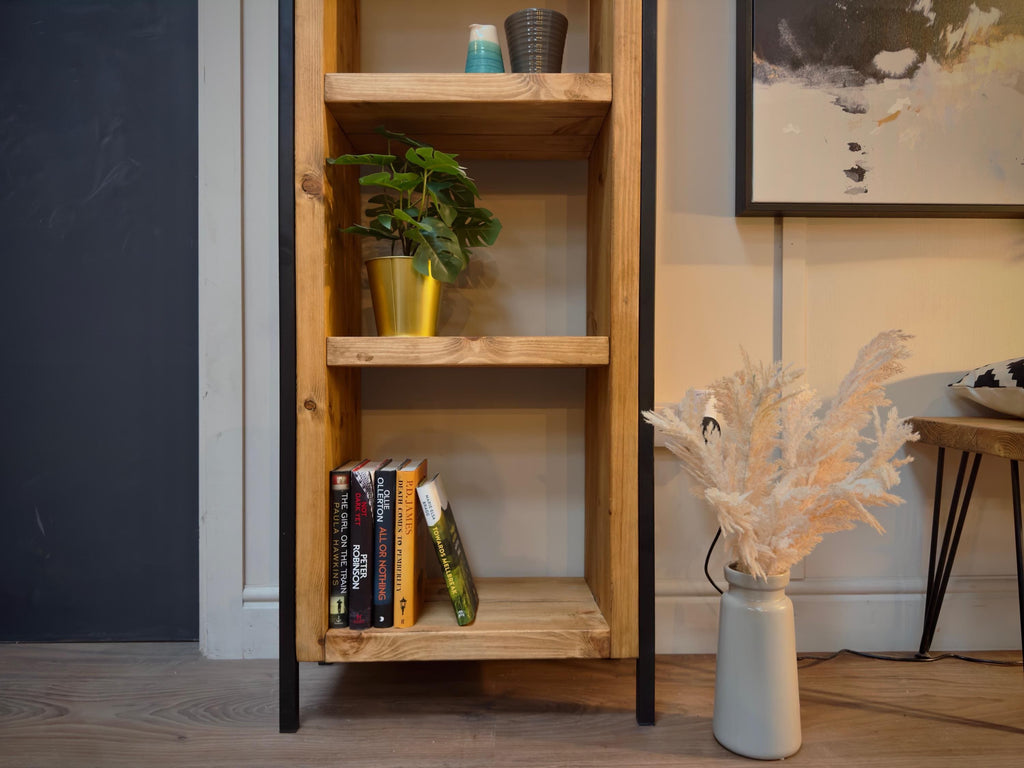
384, 547
338, 538
411, 543
360, 589
458, 578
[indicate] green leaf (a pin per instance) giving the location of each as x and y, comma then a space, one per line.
433, 160
406, 181
439, 185
404, 216
397, 136
447, 213
375, 179
461, 193
359, 229
438, 252
476, 227
362, 160
403, 182
469, 191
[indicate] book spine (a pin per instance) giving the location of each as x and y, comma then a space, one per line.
337, 611
360, 599
458, 577
384, 549
408, 534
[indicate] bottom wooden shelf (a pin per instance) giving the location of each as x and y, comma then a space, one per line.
529, 618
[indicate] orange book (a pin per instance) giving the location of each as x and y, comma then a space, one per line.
410, 536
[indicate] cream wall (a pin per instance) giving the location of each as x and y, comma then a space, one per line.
511, 442
812, 292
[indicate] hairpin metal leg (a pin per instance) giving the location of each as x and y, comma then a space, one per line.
939, 572
1018, 544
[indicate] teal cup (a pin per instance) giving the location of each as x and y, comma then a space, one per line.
484, 56
484, 52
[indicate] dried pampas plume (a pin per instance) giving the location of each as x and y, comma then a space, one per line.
778, 475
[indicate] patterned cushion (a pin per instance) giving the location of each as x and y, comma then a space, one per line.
999, 386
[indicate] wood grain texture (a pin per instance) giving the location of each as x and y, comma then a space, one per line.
522, 618
997, 437
501, 116
580, 94
327, 424
473, 146
469, 351
162, 704
613, 259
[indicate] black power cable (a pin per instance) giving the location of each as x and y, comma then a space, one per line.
916, 657
708, 559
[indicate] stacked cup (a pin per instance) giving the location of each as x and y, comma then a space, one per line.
484, 54
536, 40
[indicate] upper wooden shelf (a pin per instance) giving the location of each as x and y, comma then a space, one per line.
525, 618
496, 116
468, 351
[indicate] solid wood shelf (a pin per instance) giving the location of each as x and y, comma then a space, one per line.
468, 351
521, 618
498, 116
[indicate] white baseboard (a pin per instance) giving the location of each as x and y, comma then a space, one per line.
978, 614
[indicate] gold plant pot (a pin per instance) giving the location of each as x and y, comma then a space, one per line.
405, 302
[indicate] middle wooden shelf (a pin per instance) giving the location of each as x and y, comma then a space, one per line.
468, 351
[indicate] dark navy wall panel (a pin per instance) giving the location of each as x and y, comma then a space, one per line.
98, 320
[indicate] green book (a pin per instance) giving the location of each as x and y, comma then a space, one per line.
445, 534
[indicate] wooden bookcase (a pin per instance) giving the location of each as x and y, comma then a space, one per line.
593, 116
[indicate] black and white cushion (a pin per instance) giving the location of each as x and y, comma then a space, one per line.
999, 386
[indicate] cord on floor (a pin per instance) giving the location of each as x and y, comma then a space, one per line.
917, 657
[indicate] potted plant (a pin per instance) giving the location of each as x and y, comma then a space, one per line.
427, 210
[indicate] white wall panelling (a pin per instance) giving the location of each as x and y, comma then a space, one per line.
238, 342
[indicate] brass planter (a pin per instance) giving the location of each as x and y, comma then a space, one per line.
405, 302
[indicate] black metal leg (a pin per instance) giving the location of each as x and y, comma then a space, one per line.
938, 573
645, 364
289, 700
936, 517
288, 667
1019, 544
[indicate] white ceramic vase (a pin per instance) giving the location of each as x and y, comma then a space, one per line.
757, 695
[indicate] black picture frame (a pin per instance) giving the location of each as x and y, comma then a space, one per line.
746, 18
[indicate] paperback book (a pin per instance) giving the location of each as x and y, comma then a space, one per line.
338, 538
360, 594
410, 542
384, 547
458, 578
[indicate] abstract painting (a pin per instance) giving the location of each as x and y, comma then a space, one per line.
880, 107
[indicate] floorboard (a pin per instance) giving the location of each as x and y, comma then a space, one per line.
155, 704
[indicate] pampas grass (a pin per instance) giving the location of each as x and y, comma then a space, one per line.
779, 475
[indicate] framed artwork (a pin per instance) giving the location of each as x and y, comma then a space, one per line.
880, 107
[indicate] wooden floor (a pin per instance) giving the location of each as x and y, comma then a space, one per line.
148, 705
